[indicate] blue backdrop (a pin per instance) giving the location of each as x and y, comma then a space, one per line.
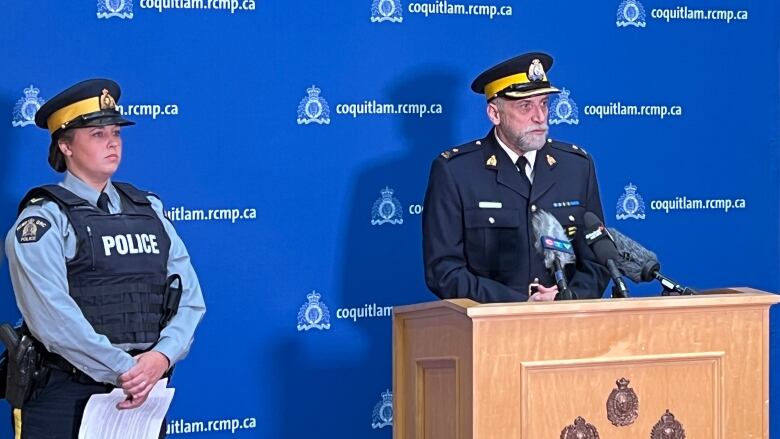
291, 143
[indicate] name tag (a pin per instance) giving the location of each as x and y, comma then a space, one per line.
490, 205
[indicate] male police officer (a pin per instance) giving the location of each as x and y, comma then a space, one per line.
477, 237
93, 263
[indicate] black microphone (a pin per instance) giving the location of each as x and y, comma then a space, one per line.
604, 248
551, 242
641, 265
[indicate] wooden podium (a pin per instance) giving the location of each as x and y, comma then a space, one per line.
618, 368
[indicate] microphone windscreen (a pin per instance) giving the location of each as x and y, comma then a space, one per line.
633, 256
545, 224
604, 249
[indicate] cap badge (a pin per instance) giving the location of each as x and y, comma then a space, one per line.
107, 102
536, 71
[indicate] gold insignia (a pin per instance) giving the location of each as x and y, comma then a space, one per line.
492, 161
446, 154
107, 102
551, 160
536, 71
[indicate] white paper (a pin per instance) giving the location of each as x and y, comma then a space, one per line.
102, 420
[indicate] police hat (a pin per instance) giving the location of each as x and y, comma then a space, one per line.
90, 103
517, 78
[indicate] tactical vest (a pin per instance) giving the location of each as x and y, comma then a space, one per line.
118, 274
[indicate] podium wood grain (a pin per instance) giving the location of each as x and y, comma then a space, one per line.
462, 370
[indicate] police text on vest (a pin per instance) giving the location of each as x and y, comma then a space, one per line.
131, 244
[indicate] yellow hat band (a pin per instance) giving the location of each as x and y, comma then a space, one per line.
60, 118
492, 88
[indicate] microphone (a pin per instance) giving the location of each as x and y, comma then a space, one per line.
641, 265
551, 242
597, 237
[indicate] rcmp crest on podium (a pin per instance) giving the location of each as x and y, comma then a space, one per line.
563, 109
631, 13
313, 314
313, 108
630, 204
622, 404
25, 108
387, 209
383, 411
115, 8
386, 10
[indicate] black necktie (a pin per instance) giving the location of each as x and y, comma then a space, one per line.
102, 202
521, 163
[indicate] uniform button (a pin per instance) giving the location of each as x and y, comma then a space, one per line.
491, 220
533, 208
479, 142
574, 146
571, 218
549, 140
455, 150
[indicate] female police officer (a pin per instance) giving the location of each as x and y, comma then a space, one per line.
92, 262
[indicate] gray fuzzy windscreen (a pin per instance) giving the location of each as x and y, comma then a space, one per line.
632, 255
545, 224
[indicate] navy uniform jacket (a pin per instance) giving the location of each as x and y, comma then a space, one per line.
487, 253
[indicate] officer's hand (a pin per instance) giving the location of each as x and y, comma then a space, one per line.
141, 378
544, 294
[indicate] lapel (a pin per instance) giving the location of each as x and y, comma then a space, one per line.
544, 171
506, 172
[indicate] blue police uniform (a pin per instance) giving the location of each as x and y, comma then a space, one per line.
40, 280
89, 279
477, 237
478, 241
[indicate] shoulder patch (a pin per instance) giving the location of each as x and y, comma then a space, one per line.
469, 147
32, 229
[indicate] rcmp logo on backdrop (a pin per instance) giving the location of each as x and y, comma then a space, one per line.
115, 8
630, 204
386, 10
563, 109
313, 314
383, 411
25, 108
630, 13
387, 209
313, 108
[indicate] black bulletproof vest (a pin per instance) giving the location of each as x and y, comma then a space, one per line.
118, 274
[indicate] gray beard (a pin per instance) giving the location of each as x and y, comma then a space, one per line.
529, 142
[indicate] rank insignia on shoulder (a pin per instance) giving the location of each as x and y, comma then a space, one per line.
450, 153
32, 229
579, 148
492, 161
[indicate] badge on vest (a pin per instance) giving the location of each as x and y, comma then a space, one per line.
32, 229
131, 244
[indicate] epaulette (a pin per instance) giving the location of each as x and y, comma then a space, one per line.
568, 147
37, 201
462, 149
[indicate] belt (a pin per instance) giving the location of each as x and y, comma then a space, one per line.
58, 362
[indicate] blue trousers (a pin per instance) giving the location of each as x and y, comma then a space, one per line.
56, 406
